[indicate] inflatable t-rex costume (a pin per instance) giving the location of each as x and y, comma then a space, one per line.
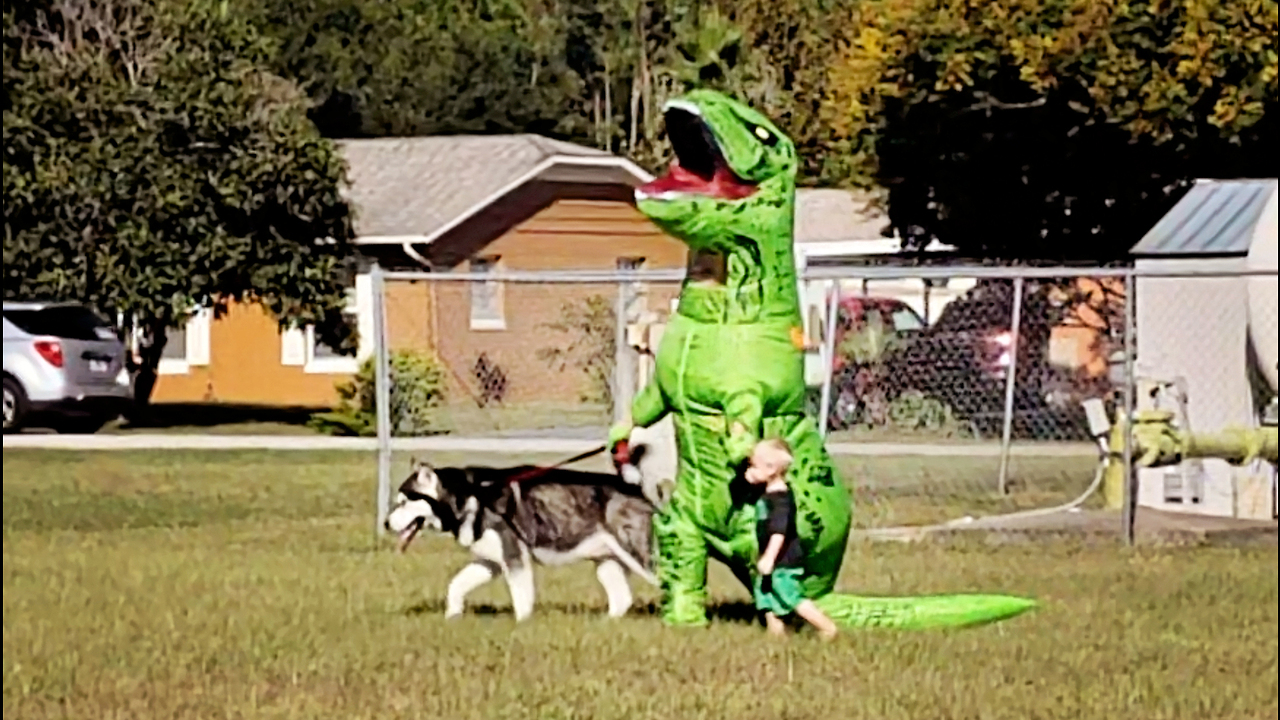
730, 370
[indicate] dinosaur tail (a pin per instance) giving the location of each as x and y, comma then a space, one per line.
921, 612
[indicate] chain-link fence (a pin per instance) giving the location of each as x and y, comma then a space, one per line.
946, 393
532, 355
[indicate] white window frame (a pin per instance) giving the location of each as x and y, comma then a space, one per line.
636, 291
297, 345
498, 293
195, 352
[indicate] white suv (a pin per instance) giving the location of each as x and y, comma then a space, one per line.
64, 367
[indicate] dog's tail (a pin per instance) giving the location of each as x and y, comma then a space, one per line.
921, 612
629, 560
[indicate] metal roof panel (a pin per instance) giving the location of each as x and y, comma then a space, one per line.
1214, 218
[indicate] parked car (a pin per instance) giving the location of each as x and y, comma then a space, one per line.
965, 357
64, 368
854, 377
962, 359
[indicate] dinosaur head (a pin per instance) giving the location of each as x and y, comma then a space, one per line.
732, 178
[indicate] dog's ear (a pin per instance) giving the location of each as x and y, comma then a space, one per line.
427, 481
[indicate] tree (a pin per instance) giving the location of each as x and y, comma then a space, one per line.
1052, 130
398, 68
591, 72
152, 167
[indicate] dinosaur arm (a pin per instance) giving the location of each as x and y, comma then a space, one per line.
649, 406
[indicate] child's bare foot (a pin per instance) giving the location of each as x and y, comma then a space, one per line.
775, 625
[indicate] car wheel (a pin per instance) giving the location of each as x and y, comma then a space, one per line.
845, 408
15, 405
80, 425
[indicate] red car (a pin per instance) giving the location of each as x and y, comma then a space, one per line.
963, 358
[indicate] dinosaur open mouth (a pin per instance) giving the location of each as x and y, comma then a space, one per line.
699, 168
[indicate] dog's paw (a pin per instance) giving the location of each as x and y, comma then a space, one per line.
631, 474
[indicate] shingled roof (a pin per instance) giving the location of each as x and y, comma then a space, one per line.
832, 214
423, 186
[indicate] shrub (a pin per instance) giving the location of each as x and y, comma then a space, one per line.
915, 411
417, 390
589, 346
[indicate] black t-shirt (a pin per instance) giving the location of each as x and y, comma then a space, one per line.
776, 515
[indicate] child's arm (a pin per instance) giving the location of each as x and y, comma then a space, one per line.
770, 554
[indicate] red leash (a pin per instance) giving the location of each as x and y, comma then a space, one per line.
540, 471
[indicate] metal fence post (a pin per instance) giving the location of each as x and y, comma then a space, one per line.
624, 365
828, 357
382, 395
1010, 382
1129, 513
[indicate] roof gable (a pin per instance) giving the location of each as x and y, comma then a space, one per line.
833, 214
420, 186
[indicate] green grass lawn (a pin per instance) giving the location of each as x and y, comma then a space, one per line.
246, 585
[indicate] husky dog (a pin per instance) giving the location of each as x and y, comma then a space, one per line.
510, 518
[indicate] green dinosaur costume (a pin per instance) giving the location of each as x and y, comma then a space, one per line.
730, 369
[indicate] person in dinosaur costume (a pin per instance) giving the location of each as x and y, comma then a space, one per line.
730, 371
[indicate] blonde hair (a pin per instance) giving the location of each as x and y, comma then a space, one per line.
780, 448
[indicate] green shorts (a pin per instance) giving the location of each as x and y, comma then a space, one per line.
784, 592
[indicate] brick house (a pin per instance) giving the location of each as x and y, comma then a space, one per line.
449, 204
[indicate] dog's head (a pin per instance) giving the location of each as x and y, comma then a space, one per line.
421, 502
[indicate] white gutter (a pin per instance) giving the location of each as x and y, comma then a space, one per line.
389, 239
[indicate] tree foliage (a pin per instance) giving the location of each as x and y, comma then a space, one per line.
151, 166
1051, 128
592, 72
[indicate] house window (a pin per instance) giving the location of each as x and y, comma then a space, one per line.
630, 263
635, 294
186, 346
302, 347
323, 359
487, 312
176, 346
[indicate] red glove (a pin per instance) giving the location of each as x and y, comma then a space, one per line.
621, 453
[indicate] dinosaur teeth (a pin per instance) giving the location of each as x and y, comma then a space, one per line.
667, 195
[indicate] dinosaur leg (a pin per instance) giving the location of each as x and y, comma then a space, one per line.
701, 519
681, 565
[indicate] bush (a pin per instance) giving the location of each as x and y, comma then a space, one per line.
915, 411
417, 390
588, 347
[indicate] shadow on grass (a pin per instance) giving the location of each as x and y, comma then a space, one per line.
741, 612
168, 415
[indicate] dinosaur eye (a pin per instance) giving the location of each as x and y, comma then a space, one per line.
764, 135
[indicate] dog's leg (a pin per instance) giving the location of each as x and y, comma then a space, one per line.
613, 577
468, 578
467, 522
520, 582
